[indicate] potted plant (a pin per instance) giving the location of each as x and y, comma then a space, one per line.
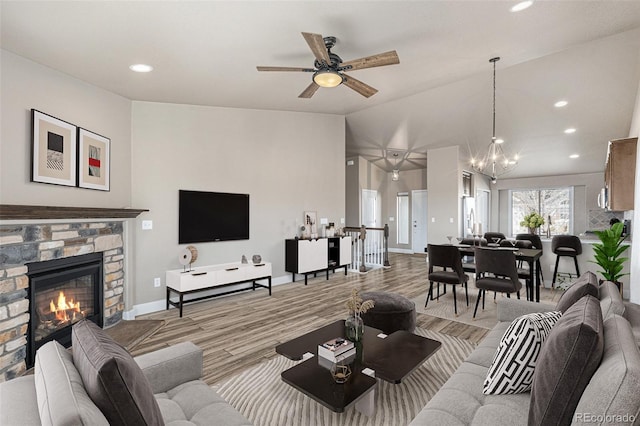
532, 221
608, 253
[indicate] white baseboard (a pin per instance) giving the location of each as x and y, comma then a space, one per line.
399, 250
160, 305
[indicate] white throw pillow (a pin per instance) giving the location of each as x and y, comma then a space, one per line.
515, 360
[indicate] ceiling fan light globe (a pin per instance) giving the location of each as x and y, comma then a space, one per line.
327, 78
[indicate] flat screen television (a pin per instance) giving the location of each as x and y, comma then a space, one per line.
212, 216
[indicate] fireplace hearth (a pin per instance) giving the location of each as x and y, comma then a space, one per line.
61, 293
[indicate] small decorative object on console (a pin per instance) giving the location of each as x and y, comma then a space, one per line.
188, 256
244, 259
256, 258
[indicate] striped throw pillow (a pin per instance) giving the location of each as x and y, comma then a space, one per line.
515, 360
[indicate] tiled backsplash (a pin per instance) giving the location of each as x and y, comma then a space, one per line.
599, 219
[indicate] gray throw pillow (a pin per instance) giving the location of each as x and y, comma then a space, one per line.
111, 377
586, 284
569, 357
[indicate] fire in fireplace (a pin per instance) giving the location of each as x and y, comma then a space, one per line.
62, 292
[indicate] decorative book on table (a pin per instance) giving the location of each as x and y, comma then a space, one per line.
335, 349
344, 359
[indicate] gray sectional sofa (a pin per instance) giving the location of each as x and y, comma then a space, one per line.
561, 394
100, 384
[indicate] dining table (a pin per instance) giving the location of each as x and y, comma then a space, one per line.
530, 256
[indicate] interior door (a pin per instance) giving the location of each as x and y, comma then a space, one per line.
419, 220
371, 209
482, 208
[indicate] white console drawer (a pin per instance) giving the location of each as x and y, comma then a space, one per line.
345, 250
258, 271
312, 255
230, 274
191, 280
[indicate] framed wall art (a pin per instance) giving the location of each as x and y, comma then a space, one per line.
53, 150
93, 160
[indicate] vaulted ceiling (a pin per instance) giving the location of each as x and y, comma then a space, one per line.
206, 52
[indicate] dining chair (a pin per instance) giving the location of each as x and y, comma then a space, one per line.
566, 246
521, 244
523, 273
495, 271
536, 244
446, 257
468, 264
490, 237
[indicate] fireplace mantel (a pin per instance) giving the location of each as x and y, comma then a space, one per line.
24, 212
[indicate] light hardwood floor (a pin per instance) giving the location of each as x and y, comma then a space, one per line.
242, 330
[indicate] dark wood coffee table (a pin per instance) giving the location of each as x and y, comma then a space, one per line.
391, 358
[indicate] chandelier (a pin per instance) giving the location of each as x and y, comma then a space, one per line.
495, 162
396, 171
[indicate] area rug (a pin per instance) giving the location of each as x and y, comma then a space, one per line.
485, 319
131, 333
262, 397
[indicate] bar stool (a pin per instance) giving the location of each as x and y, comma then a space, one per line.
568, 246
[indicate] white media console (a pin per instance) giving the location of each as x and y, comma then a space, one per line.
215, 276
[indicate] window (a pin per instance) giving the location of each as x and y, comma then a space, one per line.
555, 205
403, 217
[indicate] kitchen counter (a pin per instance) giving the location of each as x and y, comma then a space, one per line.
585, 261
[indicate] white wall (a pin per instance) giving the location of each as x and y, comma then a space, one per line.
26, 85
288, 162
444, 179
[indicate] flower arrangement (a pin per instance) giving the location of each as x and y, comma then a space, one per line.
532, 221
356, 305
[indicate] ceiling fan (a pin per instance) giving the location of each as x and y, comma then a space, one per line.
329, 70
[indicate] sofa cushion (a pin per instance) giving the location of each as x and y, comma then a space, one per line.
460, 401
195, 403
612, 392
586, 284
112, 378
568, 359
610, 301
18, 405
515, 360
62, 399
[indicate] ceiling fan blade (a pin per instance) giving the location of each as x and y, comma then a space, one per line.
309, 91
379, 60
284, 69
316, 44
360, 87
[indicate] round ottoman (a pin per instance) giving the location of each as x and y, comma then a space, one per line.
392, 312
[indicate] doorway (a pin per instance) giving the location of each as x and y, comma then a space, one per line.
419, 220
482, 208
371, 209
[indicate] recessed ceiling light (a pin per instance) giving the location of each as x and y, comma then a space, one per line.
522, 6
560, 104
574, 156
141, 68
570, 130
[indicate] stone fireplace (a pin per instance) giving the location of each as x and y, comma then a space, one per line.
21, 245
